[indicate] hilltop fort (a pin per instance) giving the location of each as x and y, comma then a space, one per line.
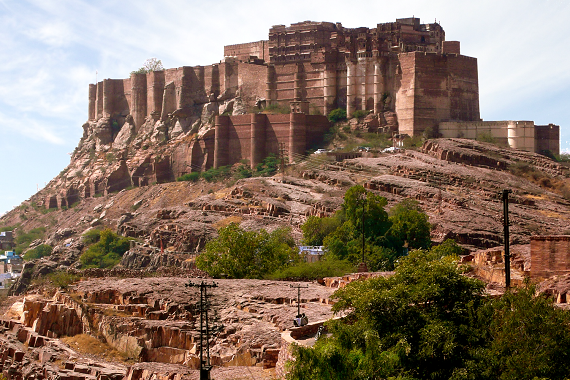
404, 72
273, 97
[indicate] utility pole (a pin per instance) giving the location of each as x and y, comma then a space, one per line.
298, 287
282, 156
203, 307
506, 237
363, 203
362, 266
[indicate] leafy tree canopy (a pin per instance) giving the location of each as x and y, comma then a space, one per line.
106, 252
409, 225
384, 234
237, 253
429, 321
151, 64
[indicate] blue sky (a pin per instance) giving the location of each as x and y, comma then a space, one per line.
51, 50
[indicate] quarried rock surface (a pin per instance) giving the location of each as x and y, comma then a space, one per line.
156, 320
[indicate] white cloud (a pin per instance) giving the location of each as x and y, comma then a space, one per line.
31, 128
55, 34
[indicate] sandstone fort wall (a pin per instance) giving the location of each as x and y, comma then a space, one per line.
158, 94
550, 256
243, 52
253, 137
523, 135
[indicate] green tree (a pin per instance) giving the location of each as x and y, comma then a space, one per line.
315, 229
449, 247
268, 167
526, 337
237, 253
356, 201
151, 64
105, 253
429, 321
40, 251
409, 225
415, 324
336, 115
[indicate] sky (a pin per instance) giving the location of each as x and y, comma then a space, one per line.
52, 49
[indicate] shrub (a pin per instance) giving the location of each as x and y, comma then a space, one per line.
192, 177
91, 237
107, 252
327, 267
268, 167
243, 171
216, 174
359, 114
277, 108
23, 240
38, 252
62, 279
337, 115
237, 253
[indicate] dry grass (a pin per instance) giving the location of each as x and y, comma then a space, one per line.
550, 214
112, 312
531, 196
227, 221
86, 344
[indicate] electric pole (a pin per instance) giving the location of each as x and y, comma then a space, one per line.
506, 237
205, 331
362, 266
282, 156
298, 287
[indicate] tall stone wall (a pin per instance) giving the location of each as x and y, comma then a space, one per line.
243, 52
550, 256
547, 138
157, 94
253, 137
434, 88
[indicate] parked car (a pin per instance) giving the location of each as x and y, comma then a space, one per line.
321, 151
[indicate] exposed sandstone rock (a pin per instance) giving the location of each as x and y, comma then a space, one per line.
126, 134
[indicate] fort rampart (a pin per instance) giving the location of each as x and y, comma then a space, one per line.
158, 94
550, 256
522, 135
253, 137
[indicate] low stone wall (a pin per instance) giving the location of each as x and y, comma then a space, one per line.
289, 337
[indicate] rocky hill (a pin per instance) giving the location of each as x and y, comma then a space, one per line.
457, 182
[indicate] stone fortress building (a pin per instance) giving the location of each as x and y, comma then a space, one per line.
405, 72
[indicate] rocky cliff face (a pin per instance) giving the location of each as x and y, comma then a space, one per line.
457, 182
113, 154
